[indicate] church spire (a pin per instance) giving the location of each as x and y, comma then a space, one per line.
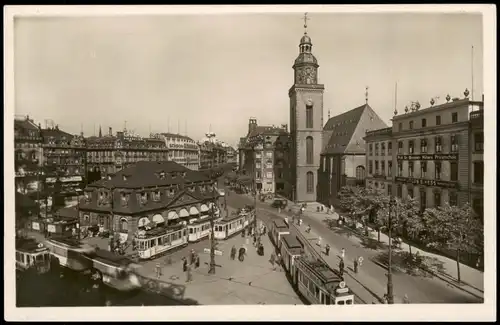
100, 131
305, 23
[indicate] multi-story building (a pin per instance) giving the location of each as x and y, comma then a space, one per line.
259, 159
28, 155
476, 151
432, 153
182, 150
111, 153
343, 160
212, 155
63, 166
283, 166
232, 156
379, 159
147, 194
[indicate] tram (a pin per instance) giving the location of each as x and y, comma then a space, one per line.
153, 242
278, 229
312, 278
198, 229
31, 255
230, 225
113, 270
70, 253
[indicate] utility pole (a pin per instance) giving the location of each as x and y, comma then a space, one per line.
213, 243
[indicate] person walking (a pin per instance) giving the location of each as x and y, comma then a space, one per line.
327, 250
341, 268
191, 261
342, 253
308, 230
197, 261
158, 270
406, 300
319, 241
189, 275
184, 264
286, 220
356, 266
272, 260
233, 252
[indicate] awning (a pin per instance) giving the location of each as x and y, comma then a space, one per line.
172, 215
143, 221
203, 208
158, 218
183, 213
193, 211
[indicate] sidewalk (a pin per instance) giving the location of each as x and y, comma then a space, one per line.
252, 281
471, 278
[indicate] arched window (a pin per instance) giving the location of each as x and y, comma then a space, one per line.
123, 225
360, 172
309, 150
310, 182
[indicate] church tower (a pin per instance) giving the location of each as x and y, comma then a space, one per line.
306, 122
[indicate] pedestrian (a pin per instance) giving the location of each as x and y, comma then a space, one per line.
272, 260
356, 266
327, 250
191, 261
243, 233
342, 253
406, 300
341, 268
254, 239
308, 230
233, 252
184, 264
189, 275
319, 241
158, 270
286, 220
197, 263
241, 254
322, 208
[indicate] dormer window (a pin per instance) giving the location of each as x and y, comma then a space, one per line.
124, 199
191, 189
88, 196
162, 175
125, 177
174, 175
156, 196
144, 197
170, 192
203, 189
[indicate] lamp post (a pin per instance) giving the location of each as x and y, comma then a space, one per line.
213, 243
390, 295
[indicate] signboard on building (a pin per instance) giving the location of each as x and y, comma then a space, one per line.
426, 182
436, 156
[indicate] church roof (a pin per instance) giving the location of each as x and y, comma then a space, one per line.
306, 58
347, 130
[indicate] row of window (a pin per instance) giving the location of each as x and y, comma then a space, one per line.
258, 174
382, 149
423, 122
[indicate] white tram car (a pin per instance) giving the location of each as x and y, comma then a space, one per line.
198, 229
70, 253
159, 240
32, 255
312, 278
113, 270
279, 228
230, 225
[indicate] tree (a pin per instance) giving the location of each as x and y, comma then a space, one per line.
455, 228
375, 203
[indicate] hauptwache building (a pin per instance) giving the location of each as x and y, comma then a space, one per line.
432, 154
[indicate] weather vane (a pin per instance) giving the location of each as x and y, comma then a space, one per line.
305, 22
366, 94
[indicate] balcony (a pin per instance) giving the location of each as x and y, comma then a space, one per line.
477, 118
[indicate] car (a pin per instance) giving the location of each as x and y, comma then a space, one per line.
279, 203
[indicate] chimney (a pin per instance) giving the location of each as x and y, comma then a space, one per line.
110, 131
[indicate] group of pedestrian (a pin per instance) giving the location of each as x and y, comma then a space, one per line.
194, 262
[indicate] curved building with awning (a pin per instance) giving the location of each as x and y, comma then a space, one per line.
204, 208
193, 211
158, 218
172, 215
183, 213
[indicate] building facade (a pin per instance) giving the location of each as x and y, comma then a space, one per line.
182, 150
436, 154
306, 123
148, 193
110, 153
343, 160
379, 169
64, 166
265, 160
28, 155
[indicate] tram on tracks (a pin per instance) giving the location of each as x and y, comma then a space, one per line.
311, 277
70, 252
113, 270
278, 229
31, 255
231, 225
154, 242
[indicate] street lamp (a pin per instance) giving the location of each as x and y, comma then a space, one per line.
255, 141
390, 294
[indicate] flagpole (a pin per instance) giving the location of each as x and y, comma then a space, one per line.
472, 72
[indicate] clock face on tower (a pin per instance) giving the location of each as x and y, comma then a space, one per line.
305, 75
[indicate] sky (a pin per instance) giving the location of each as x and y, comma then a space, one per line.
192, 73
